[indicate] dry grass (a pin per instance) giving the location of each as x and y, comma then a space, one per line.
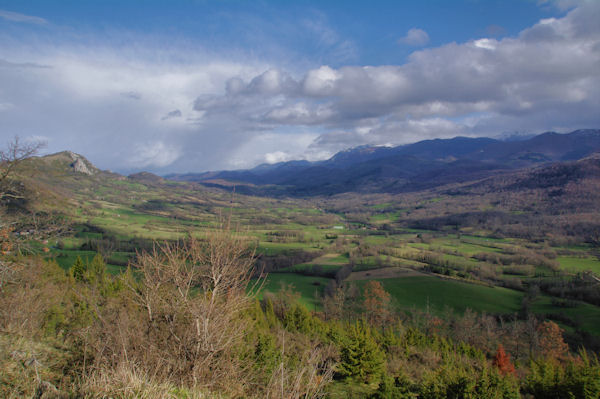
130, 381
27, 366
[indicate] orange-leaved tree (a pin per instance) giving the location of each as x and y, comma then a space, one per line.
377, 303
551, 343
502, 362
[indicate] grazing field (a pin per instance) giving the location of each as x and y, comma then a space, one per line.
580, 264
436, 294
383, 273
66, 258
584, 315
310, 288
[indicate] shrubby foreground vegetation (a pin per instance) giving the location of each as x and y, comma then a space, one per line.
376, 296
183, 324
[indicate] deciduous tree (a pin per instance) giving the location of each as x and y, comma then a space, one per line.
551, 341
502, 362
377, 303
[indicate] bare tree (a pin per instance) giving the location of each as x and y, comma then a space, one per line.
189, 311
10, 158
306, 381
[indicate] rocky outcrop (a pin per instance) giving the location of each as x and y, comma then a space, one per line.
80, 165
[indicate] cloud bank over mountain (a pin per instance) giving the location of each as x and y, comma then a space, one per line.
166, 108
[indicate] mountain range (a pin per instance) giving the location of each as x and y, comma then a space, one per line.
405, 168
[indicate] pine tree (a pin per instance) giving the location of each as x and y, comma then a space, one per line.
361, 357
298, 318
78, 269
270, 316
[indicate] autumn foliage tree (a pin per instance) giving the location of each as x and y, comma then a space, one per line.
377, 303
551, 343
502, 362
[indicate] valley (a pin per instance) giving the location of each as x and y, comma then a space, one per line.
493, 250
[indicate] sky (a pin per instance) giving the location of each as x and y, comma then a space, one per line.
197, 85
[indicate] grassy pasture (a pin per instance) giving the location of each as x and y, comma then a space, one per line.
303, 268
169, 210
435, 293
331, 259
588, 316
66, 258
579, 264
306, 286
273, 248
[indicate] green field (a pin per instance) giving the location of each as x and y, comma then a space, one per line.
435, 294
306, 286
123, 209
304, 267
66, 258
586, 315
577, 264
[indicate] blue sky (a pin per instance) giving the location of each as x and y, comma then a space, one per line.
371, 28
203, 85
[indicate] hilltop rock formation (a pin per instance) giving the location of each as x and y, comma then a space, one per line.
80, 165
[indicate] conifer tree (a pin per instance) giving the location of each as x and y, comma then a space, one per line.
361, 357
270, 316
78, 269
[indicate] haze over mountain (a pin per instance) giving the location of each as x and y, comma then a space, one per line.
409, 167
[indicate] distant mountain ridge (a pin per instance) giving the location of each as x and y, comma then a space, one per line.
410, 167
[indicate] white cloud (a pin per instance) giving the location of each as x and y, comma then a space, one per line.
415, 37
156, 154
272, 147
320, 82
277, 156
488, 44
481, 87
17, 17
563, 5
